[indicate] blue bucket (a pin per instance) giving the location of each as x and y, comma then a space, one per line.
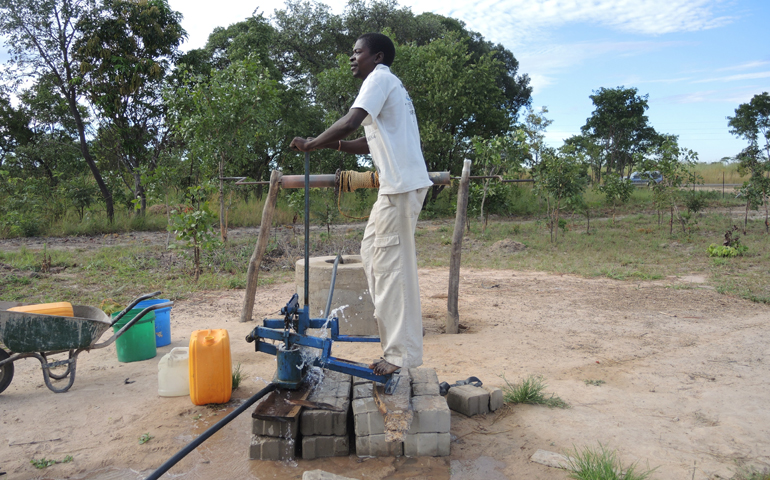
162, 320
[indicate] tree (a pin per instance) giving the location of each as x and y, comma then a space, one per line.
676, 166
498, 156
620, 127
752, 122
616, 190
41, 35
125, 53
535, 124
560, 177
455, 98
222, 117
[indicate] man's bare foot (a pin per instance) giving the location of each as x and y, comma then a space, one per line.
382, 367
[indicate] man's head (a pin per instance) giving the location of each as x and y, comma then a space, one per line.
371, 49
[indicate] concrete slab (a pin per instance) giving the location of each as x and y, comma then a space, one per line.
367, 418
468, 400
326, 422
325, 446
495, 397
271, 448
427, 445
431, 415
378, 446
550, 459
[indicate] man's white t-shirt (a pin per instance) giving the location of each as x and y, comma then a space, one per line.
392, 133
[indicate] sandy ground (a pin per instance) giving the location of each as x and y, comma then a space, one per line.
686, 372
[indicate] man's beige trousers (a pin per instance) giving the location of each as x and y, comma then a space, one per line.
390, 262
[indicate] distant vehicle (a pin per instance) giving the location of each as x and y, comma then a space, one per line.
644, 178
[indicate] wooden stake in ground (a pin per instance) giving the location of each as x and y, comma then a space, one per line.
264, 234
453, 315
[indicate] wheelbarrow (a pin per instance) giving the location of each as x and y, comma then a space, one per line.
36, 335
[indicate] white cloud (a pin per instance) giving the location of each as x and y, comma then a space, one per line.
734, 78
745, 66
517, 21
558, 58
733, 96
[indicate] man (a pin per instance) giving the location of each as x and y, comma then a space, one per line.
388, 248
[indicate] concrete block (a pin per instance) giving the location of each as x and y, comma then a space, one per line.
367, 418
359, 381
350, 289
427, 445
271, 448
468, 400
495, 397
275, 428
423, 375
421, 389
326, 422
431, 415
321, 475
363, 390
325, 446
378, 446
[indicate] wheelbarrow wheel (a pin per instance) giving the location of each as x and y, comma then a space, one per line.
6, 371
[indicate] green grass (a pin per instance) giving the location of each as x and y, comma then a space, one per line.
601, 464
531, 391
47, 462
144, 438
751, 473
633, 248
237, 376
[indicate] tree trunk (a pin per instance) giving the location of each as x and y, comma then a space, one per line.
222, 217
264, 235
671, 222
746, 217
140, 193
452, 325
106, 194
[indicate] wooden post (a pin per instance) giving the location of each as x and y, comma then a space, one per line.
453, 315
264, 234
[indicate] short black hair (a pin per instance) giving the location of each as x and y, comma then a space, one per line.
377, 42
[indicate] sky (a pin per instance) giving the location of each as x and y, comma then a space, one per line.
697, 60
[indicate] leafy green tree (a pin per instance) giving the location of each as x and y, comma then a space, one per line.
676, 166
559, 178
535, 124
497, 156
616, 190
193, 224
41, 35
455, 98
752, 122
222, 117
620, 128
126, 52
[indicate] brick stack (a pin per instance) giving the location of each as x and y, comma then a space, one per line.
273, 439
325, 432
428, 434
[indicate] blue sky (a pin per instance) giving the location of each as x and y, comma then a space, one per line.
696, 59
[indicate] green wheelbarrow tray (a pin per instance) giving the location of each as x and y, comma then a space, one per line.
35, 335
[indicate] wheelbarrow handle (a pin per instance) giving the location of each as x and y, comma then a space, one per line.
131, 305
131, 323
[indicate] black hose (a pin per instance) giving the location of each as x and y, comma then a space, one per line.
211, 431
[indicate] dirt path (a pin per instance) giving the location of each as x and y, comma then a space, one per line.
686, 372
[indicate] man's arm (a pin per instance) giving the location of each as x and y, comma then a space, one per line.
333, 135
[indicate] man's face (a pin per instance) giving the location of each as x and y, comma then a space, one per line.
362, 62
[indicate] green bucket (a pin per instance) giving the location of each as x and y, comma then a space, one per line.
138, 342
